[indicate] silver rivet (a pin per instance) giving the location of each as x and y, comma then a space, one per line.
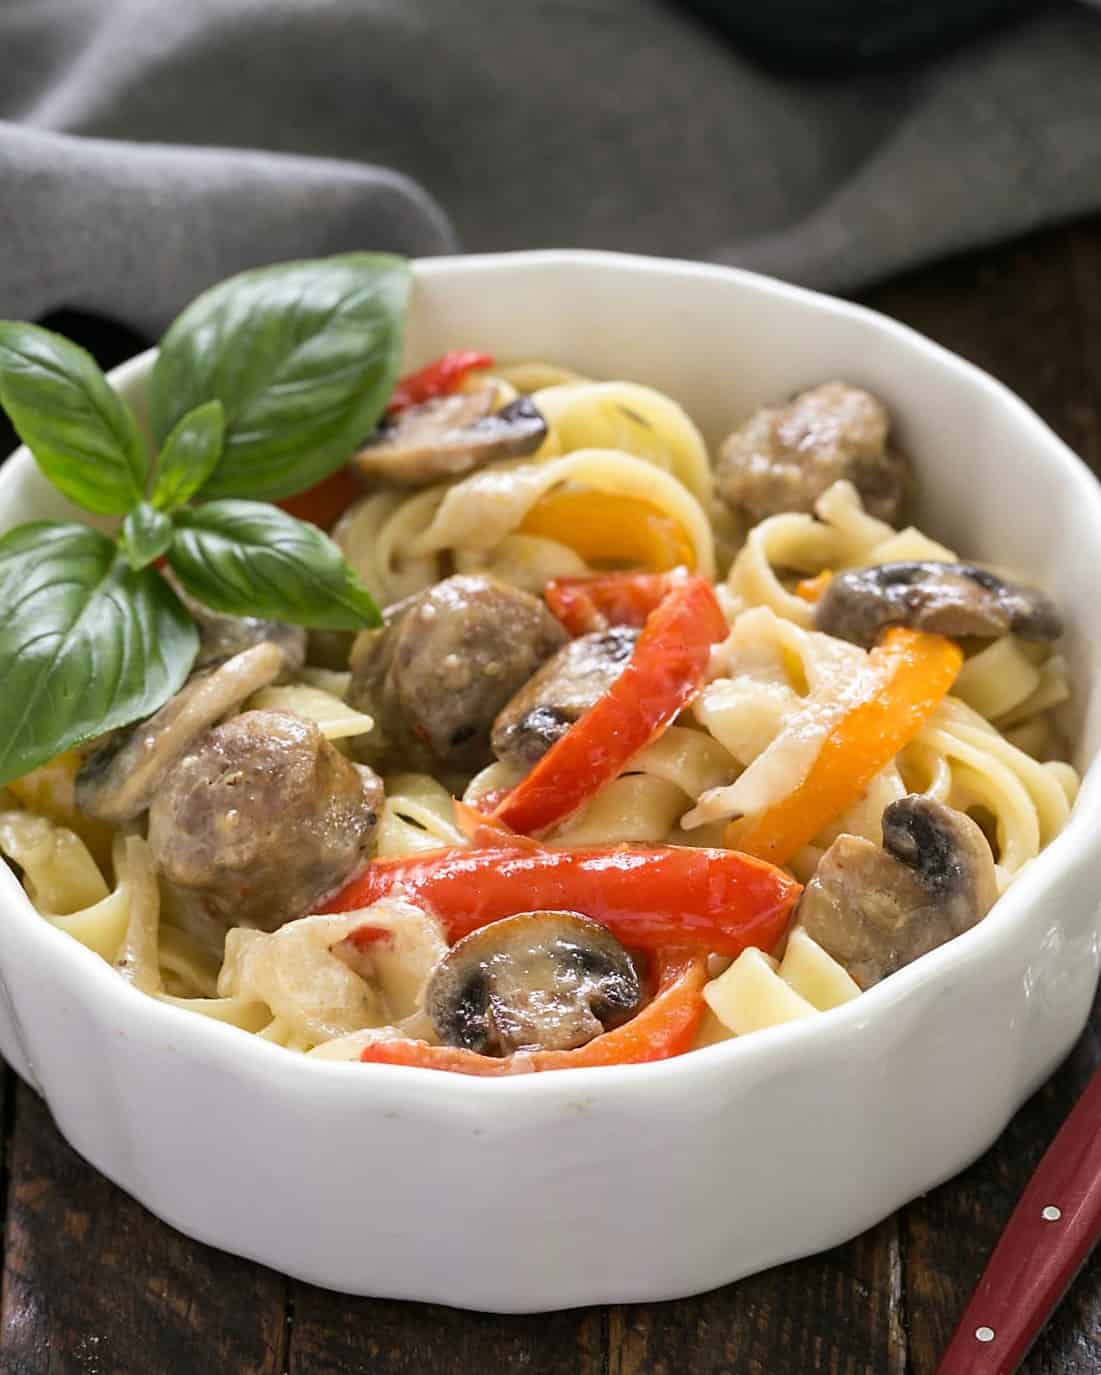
1051, 1213
984, 1334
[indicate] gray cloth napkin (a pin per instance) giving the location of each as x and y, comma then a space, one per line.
148, 148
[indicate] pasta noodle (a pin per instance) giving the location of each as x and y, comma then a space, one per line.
774, 690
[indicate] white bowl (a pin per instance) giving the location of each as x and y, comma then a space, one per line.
637, 1182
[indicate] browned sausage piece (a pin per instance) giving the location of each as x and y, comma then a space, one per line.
784, 457
260, 819
436, 676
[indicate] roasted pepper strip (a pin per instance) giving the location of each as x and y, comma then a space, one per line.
584, 605
911, 672
439, 378
811, 589
605, 527
710, 900
324, 504
663, 675
665, 1027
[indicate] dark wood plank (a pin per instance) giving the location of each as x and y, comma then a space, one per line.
948, 1236
838, 1313
1030, 313
332, 1334
95, 1285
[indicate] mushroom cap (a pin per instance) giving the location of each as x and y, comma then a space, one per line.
448, 436
567, 685
953, 599
535, 981
876, 908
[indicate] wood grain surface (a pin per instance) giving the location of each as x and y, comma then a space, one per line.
93, 1285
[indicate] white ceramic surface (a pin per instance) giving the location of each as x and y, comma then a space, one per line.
640, 1182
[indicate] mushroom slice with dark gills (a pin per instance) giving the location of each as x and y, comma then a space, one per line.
953, 599
536, 981
118, 779
562, 691
435, 677
259, 820
784, 457
874, 909
448, 436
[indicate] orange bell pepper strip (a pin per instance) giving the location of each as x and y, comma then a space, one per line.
605, 527
811, 589
910, 673
324, 504
647, 896
666, 1026
444, 375
584, 605
662, 676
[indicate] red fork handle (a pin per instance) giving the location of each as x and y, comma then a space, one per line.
1054, 1227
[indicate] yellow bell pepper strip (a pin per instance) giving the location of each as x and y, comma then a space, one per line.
605, 528
716, 901
444, 375
662, 676
911, 672
811, 589
666, 1026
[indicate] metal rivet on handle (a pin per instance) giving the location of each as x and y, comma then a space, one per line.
984, 1334
1051, 1213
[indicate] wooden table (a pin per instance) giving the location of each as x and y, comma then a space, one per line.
93, 1284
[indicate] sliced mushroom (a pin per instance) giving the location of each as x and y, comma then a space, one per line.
954, 599
876, 909
118, 779
784, 457
537, 981
449, 436
435, 677
220, 636
259, 820
564, 689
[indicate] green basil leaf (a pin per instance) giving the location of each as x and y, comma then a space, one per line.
82, 434
302, 355
190, 454
146, 535
86, 644
250, 559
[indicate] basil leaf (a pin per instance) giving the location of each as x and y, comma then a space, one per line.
146, 535
250, 559
80, 431
302, 355
86, 644
189, 456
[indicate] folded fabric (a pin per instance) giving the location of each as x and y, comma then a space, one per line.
622, 124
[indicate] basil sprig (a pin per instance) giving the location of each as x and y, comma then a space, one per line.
263, 386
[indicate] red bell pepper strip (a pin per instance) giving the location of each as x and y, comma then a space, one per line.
666, 1026
324, 504
439, 378
663, 675
648, 897
584, 605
